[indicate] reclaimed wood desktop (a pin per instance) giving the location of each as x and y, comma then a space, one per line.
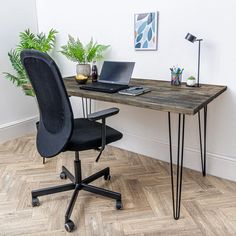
171, 99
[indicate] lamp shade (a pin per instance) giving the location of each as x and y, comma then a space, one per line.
191, 38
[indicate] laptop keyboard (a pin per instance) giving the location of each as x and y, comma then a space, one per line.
106, 85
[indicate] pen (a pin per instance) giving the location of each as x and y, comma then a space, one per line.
135, 88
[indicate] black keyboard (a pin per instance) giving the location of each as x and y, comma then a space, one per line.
104, 87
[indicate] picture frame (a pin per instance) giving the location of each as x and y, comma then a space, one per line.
146, 31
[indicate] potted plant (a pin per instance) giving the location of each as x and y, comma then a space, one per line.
75, 51
28, 40
191, 81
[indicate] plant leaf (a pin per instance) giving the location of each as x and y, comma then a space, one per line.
28, 40
75, 51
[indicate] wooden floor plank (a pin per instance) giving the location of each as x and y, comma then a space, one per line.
208, 204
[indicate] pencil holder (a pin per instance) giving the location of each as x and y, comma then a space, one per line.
176, 78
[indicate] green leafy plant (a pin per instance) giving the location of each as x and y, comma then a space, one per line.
75, 51
191, 78
28, 40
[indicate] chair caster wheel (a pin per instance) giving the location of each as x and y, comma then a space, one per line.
35, 202
107, 177
119, 204
63, 175
69, 226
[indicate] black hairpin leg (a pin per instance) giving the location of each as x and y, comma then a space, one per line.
44, 160
203, 151
176, 196
87, 106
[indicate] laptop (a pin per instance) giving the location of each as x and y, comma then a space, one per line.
114, 77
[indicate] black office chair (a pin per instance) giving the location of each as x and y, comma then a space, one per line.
58, 131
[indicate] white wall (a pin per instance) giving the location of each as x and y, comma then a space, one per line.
17, 111
145, 131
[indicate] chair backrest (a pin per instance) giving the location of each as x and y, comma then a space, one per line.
56, 116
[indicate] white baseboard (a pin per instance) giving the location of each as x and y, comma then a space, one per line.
17, 128
217, 165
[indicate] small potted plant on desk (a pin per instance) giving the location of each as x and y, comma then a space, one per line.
191, 81
75, 51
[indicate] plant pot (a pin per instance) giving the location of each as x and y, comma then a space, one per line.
81, 79
83, 72
191, 82
83, 69
28, 89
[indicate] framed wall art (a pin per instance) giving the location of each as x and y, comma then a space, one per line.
146, 31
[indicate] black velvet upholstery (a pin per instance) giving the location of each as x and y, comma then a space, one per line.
57, 129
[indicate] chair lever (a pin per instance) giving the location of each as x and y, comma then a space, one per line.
99, 155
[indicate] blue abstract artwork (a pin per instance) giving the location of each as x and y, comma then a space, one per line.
145, 31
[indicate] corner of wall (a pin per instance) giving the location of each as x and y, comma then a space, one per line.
17, 128
192, 159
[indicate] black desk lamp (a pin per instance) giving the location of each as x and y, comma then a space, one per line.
191, 38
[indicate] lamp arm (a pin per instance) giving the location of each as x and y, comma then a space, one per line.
199, 56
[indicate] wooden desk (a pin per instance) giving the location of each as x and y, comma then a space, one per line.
171, 99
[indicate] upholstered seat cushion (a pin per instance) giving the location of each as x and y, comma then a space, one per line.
87, 135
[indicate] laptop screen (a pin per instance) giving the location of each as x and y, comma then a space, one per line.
116, 72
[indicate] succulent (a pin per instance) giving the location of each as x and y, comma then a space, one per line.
191, 78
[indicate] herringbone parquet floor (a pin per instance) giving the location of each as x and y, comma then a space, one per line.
208, 206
